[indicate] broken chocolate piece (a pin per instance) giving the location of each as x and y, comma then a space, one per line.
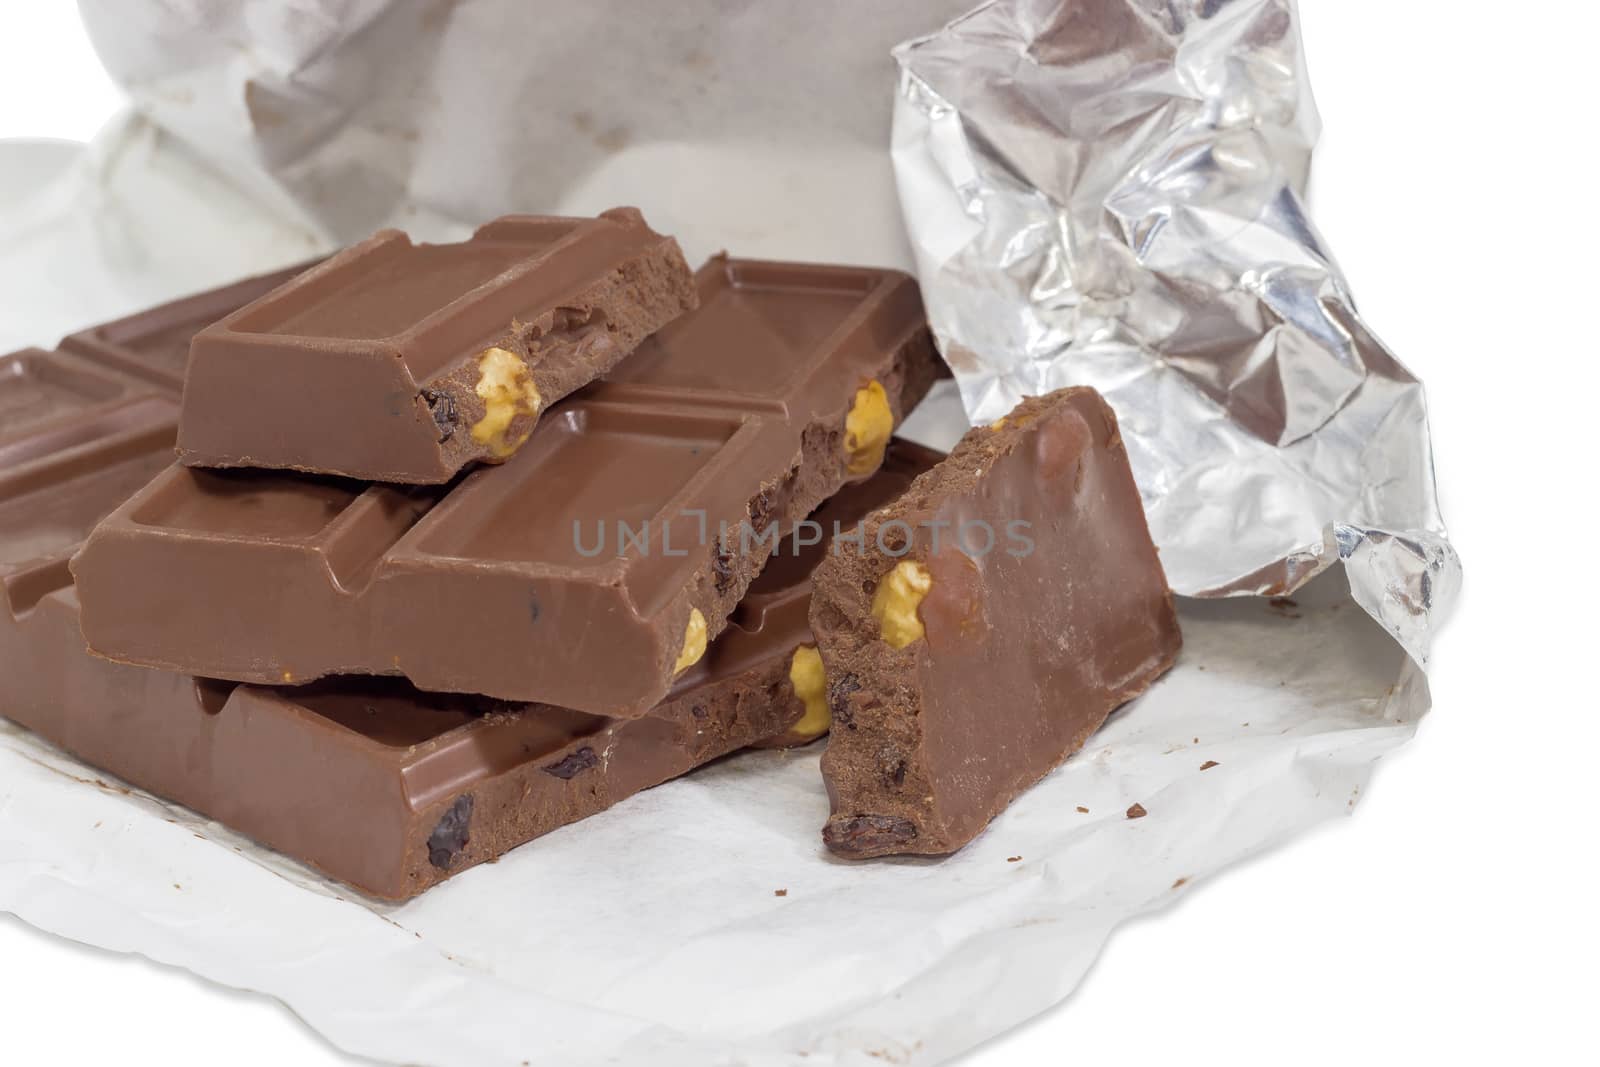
984, 626
403, 362
625, 518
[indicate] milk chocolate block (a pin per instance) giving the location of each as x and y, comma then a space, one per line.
984, 626
404, 362
376, 784
590, 570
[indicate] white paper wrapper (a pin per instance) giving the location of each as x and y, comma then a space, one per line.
652, 933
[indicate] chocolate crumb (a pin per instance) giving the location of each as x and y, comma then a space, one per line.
1082, 810
1013, 859
1137, 812
1179, 884
573, 764
780, 892
1208, 764
452, 834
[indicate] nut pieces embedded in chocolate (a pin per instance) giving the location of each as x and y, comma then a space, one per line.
396, 789
867, 428
810, 684
694, 642
508, 392
896, 600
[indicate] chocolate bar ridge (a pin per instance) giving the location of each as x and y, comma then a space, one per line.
782, 387
402, 362
962, 668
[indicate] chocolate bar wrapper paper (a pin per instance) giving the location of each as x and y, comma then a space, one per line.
654, 933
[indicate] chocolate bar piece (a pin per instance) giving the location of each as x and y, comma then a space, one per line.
381, 786
404, 362
984, 626
590, 570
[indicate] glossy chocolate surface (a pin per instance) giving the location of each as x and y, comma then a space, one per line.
384, 362
530, 581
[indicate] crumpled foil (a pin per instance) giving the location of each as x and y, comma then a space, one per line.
1112, 193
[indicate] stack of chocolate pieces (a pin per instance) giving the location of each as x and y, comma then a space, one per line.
468, 542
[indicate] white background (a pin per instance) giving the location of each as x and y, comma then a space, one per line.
1451, 918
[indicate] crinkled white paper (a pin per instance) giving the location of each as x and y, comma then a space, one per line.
653, 933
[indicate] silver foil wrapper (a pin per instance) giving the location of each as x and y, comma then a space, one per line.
1111, 193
